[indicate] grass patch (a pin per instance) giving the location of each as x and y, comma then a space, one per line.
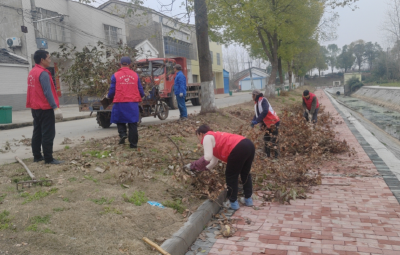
176, 205
178, 139
97, 154
72, 179
66, 147
22, 179
58, 209
66, 199
32, 227
48, 231
89, 177
111, 210
103, 200
40, 220
37, 195
2, 198
35, 221
138, 198
154, 150
5, 221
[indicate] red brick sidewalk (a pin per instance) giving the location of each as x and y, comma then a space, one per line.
343, 216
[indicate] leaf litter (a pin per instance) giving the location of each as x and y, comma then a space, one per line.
157, 169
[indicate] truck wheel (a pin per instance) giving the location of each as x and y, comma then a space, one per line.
172, 102
163, 111
103, 119
196, 101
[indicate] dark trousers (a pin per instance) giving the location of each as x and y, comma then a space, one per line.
271, 140
181, 106
314, 117
133, 133
44, 131
239, 163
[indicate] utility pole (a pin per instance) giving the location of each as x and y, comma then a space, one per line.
387, 65
251, 77
203, 47
34, 18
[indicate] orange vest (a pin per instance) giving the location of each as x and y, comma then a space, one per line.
35, 98
271, 117
224, 144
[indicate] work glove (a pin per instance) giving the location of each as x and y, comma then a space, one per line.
253, 123
181, 94
58, 114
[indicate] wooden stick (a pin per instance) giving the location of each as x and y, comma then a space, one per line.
26, 168
154, 245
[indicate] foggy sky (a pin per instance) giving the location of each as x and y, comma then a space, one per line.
364, 23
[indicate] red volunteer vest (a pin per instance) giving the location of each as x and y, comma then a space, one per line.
271, 117
224, 144
35, 98
126, 87
309, 101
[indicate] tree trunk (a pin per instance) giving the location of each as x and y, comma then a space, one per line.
270, 88
290, 75
207, 86
281, 77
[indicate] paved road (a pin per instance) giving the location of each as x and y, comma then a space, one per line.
74, 130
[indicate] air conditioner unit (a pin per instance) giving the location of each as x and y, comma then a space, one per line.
13, 42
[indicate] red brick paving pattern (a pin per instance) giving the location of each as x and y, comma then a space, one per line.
344, 215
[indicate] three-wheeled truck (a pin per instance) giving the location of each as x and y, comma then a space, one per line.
157, 77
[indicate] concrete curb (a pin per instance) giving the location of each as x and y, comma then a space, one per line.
180, 241
27, 124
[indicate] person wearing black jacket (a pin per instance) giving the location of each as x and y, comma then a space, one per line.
269, 120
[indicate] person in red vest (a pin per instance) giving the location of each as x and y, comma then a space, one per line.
310, 106
42, 98
235, 150
127, 91
269, 120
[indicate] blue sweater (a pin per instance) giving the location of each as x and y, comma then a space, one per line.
180, 84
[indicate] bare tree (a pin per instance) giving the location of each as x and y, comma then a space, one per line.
391, 24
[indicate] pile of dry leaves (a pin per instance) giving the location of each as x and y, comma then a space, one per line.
302, 147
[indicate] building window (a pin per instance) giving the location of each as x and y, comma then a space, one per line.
113, 34
51, 29
212, 58
177, 48
195, 78
218, 59
161, 19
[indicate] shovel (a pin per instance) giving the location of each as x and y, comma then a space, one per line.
33, 181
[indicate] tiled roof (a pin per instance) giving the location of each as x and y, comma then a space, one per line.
7, 57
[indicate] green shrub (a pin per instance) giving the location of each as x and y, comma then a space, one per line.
354, 84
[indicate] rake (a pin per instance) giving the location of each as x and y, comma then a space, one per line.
32, 182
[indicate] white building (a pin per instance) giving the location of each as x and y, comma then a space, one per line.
243, 79
53, 23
